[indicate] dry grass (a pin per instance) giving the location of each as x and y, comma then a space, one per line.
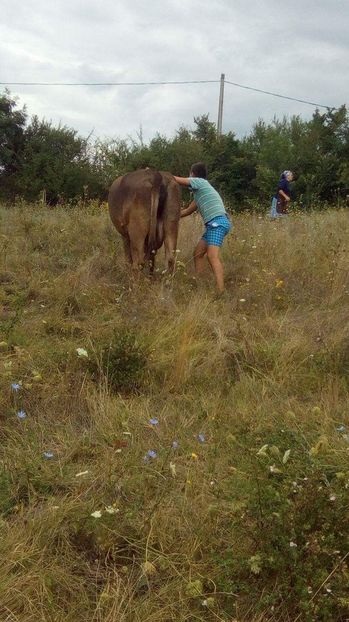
271, 359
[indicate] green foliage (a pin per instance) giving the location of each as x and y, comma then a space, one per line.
122, 363
316, 150
12, 124
296, 522
56, 159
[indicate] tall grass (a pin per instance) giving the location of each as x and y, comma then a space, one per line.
240, 511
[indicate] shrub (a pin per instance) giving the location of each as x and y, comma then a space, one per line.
295, 524
122, 363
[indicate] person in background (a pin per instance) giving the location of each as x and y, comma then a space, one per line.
282, 196
217, 224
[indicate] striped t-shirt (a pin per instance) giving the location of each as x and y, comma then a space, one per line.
207, 199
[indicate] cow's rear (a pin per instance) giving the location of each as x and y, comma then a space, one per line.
144, 207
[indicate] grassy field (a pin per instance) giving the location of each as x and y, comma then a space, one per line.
165, 456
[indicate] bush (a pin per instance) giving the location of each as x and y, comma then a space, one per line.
296, 527
122, 363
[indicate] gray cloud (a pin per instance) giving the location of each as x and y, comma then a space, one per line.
294, 48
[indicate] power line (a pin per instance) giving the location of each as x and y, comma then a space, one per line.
169, 82
302, 101
108, 83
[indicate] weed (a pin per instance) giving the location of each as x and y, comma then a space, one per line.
122, 363
180, 458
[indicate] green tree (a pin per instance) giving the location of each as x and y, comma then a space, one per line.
231, 170
56, 159
111, 158
272, 149
41, 156
12, 124
321, 156
205, 132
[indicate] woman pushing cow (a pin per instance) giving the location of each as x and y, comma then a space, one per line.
209, 204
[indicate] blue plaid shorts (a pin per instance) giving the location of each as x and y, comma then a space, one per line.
216, 230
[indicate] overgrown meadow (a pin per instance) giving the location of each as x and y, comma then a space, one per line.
167, 456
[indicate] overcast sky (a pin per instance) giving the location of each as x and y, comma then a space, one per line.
297, 48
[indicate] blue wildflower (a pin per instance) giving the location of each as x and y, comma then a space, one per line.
15, 386
150, 455
201, 437
21, 414
154, 421
175, 445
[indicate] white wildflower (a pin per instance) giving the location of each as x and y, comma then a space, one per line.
111, 510
82, 352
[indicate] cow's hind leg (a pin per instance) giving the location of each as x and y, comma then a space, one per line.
152, 262
171, 216
137, 255
137, 235
138, 231
149, 257
170, 241
127, 248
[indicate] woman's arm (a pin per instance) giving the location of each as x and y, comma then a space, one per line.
284, 196
183, 181
189, 210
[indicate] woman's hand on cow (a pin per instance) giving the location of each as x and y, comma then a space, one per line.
189, 210
183, 181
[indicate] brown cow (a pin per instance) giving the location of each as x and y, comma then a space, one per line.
144, 207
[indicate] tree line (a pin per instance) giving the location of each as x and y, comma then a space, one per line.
37, 157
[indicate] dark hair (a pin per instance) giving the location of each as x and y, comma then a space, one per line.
199, 170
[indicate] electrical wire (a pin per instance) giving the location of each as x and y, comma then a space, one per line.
295, 99
170, 82
108, 83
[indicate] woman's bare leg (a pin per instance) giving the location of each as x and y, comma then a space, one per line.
199, 256
216, 265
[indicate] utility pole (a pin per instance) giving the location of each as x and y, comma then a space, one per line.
220, 106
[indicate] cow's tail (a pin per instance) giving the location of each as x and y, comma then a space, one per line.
154, 204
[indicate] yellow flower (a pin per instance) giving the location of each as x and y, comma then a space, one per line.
148, 568
194, 588
321, 446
